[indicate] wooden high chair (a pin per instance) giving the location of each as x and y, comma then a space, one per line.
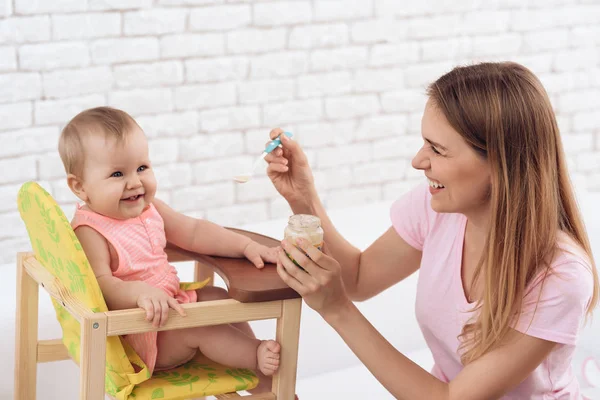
91, 332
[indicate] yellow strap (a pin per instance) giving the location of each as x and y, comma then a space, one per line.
193, 285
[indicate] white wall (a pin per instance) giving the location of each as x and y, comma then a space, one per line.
207, 79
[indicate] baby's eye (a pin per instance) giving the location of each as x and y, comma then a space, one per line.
142, 168
117, 174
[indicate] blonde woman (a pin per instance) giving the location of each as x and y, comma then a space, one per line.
506, 275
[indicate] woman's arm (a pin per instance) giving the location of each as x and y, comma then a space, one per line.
489, 377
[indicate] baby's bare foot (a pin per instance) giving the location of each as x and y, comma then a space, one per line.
267, 356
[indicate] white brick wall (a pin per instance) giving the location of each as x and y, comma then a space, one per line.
208, 79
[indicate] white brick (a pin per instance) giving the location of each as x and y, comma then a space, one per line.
278, 65
5, 8
28, 141
395, 8
79, 26
333, 178
565, 123
54, 55
578, 143
205, 96
263, 91
294, 111
393, 191
498, 45
259, 188
444, 49
327, 10
416, 174
344, 58
575, 59
588, 162
142, 101
256, 139
12, 225
174, 124
351, 106
381, 127
51, 166
8, 58
379, 171
25, 29
585, 121
584, 36
62, 193
394, 54
8, 197
343, 155
157, 21
238, 214
230, 118
15, 115
173, 175
198, 198
314, 36
378, 80
377, 31
581, 100
21, 169
406, 100
61, 111
77, 82
535, 20
20, 86
192, 45
163, 151
485, 22
414, 123
405, 147
256, 40
111, 51
353, 196
433, 27
327, 84
205, 146
422, 75
46, 7
216, 69
537, 63
142, 75
278, 208
219, 18
10, 247
282, 13
556, 83
119, 4
320, 134
545, 40
188, 2
220, 170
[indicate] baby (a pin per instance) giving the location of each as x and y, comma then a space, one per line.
123, 229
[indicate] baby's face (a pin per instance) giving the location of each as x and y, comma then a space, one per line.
117, 177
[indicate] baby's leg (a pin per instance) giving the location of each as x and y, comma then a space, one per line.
222, 343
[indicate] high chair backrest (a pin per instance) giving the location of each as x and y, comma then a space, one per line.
57, 248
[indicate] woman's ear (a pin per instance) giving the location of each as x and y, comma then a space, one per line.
76, 186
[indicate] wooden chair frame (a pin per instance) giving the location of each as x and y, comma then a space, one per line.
96, 327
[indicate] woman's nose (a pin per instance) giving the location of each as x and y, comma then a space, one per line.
420, 160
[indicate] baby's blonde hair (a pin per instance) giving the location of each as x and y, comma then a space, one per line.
107, 121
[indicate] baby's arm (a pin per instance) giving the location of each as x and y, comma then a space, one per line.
120, 294
205, 237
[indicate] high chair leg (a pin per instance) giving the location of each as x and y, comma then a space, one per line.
92, 359
26, 334
201, 272
288, 333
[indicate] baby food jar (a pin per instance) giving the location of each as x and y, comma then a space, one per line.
304, 226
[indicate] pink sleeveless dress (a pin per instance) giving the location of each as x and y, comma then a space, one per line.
139, 243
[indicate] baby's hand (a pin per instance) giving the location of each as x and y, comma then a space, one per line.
258, 254
157, 303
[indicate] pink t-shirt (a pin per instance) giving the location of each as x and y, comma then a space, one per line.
442, 308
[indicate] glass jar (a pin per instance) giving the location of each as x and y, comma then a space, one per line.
304, 226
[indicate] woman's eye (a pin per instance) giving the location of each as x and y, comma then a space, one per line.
142, 168
117, 174
434, 150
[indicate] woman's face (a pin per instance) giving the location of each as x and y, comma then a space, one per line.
459, 178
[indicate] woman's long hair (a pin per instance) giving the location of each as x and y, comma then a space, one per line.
504, 113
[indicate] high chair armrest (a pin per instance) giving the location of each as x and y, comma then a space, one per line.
245, 282
214, 312
55, 288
